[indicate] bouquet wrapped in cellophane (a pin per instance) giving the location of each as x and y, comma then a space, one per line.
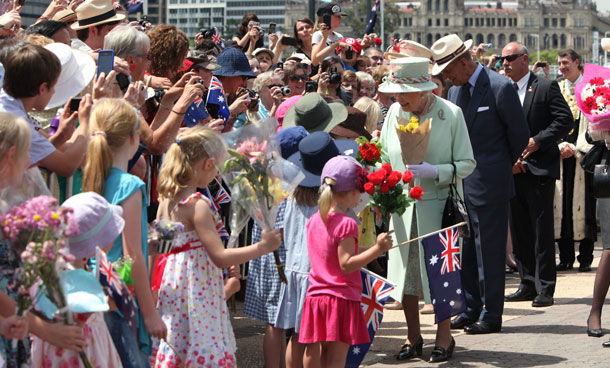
414, 137
38, 229
259, 178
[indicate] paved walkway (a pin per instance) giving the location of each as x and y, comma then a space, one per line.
530, 337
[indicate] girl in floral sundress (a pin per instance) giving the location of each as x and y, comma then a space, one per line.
191, 295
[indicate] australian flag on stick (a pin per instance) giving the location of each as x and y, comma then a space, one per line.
370, 25
442, 255
216, 96
195, 113
115, 287
375, 292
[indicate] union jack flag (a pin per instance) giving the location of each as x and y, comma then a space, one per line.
115, 287
220, 226
375, 292
221, 197
451, 262
444, 277
217, 39
216, 96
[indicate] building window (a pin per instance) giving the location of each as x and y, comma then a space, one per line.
555, 22
438, 22
579, 22
510, 22
488, 22
562, 22
579, 42
476, 22
446, 22
173, 11
562, 41
429, 22
546, 22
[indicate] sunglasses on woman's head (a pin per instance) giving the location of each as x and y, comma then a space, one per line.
510, 58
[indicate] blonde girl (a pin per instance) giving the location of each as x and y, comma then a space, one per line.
114, 128
191, 295
14, 160
332, 318
373, 114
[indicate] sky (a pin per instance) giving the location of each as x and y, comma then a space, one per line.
603, 5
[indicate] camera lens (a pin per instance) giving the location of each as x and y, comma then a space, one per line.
285, 90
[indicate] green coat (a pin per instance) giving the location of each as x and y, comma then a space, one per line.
448, 139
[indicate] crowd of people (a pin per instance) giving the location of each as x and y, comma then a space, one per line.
118, 147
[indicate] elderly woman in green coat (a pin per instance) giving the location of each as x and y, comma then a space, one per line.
449, 143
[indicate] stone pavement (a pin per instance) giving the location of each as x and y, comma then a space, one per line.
530, 337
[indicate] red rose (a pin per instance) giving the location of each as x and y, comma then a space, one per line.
407, 177
384, 188
394, 178
387, 168
377, 177
369, 152
416, 193
369, 188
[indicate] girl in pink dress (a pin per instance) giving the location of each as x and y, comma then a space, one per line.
332, 317
192, 295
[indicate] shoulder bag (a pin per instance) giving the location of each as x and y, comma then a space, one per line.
455, 209
601, 178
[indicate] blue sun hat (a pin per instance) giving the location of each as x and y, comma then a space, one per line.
233, 63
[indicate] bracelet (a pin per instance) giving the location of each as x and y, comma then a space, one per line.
165, 107
179, 113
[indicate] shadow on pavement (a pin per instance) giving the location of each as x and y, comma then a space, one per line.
546, 329
474, 358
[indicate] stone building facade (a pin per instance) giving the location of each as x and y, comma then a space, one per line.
556, 24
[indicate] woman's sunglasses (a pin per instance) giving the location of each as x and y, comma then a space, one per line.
297, 77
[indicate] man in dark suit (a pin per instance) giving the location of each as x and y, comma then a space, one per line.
532, 229
498, 134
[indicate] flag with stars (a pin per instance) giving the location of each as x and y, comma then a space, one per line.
195, 113
442, 254
115, 288
370, 26
375, 292
216, 96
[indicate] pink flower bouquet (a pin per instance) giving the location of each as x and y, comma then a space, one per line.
593, 96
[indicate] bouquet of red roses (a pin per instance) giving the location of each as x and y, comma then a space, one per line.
387, 193
369, 152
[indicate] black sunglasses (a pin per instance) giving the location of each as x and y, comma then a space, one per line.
510, 58
275, 85
296, 77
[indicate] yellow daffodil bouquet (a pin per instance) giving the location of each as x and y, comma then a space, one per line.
259, 178
414, 137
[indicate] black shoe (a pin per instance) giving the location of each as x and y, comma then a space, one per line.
564, 266
522, 294
594, 332
482, 327
584, 268
409, 351
460, 322
606, 344
440, 354
542, 300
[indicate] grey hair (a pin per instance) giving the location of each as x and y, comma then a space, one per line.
261, 79
126, 40
366, 77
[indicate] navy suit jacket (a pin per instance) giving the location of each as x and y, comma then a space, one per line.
549, 119
498, 134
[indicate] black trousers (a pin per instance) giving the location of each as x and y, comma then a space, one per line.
566, 242
532, 231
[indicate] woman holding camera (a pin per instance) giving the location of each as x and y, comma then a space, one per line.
249, 30
295, 76
325, 39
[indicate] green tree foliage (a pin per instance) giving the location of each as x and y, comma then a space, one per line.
358, 16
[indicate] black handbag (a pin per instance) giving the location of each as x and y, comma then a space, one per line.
593, 157
601, 178
455, 210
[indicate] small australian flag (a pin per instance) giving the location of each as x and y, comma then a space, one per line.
216, 96
115, 287
442, 255
195, 113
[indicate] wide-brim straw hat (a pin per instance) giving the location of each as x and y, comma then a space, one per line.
77, 70
407, 48
95, 12
410, 74
314, 114
446, 49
